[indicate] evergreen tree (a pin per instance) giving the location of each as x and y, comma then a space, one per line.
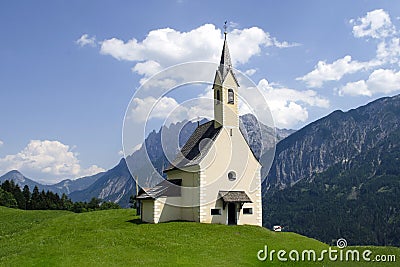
6, 186
49, 200
66, 203
7, 199
19, 196
42, 201
132, 201
35, 199
109, 205
27, 196
79, 207
15, 190
57, 202
94, 203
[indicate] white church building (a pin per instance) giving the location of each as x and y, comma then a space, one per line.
216, 177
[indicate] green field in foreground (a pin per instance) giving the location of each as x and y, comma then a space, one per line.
116, 238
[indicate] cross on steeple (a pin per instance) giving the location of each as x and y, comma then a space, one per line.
225, 28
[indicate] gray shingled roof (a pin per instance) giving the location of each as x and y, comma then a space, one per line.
196, 147
166, 188
234, 196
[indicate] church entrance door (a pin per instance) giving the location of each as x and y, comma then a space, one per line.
232, 220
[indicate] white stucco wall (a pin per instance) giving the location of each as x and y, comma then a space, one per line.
148, 211
164, 212
221, 159
189, 201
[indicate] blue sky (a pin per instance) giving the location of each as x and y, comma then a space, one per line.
69, 69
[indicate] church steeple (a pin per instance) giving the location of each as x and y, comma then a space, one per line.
225, 63
225, 91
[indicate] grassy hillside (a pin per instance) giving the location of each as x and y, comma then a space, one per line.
116, 238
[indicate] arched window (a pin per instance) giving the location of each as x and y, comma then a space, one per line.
231, 96
218, 96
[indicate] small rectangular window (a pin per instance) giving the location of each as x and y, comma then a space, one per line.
247, 210
215, 211
231, 132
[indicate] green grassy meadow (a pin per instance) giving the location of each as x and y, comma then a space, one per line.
117, 238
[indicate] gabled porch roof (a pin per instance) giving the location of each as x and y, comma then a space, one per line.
234, 197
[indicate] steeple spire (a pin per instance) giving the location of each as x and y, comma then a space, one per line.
225, 63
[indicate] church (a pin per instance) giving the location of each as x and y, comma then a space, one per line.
215, 178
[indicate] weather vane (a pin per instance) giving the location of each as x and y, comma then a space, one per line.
225, 27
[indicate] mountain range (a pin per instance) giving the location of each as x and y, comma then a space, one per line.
339, 177
117, 184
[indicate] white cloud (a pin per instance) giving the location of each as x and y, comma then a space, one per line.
309, 97
148, 68
384, 81
94, 169
288, 106
150, 107
48, 161
233, 24
375, 24
165, 47
167, 108
380, 81
1, 143
250, 72
335, 71
86, 40
244, 44
284, 44
164, 106
389, 51
288, 114
355, 88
